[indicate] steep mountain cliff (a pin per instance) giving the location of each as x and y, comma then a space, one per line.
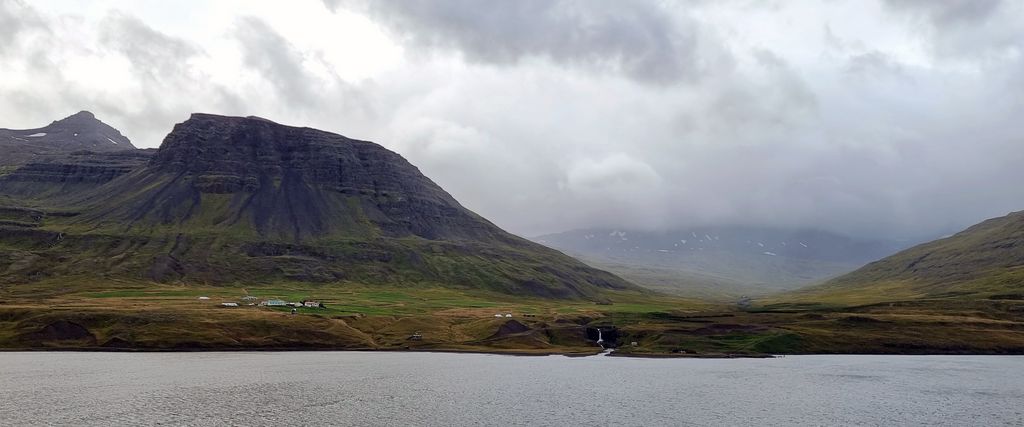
243, 199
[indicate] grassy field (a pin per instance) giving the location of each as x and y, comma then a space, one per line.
152, 316
149, 316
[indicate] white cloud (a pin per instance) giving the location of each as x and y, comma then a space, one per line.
612, 176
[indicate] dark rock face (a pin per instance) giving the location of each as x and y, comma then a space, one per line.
81, 131
57, 176
76, 170
304, 182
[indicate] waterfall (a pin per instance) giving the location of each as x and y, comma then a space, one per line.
600, 339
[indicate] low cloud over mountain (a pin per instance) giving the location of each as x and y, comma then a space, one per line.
860, 118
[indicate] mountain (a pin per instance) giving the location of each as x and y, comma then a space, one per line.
726, 261
983, 261
247, 200
51, 175
79, 132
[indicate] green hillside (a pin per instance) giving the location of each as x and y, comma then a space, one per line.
983, 261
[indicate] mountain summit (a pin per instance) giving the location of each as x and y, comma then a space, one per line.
78, 132
244, 199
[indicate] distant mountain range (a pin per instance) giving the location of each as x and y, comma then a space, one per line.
725, 261
78, 132
247, 200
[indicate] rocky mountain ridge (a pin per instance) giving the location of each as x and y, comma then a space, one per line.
78, 132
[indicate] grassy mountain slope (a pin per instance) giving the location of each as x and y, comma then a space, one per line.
983, 261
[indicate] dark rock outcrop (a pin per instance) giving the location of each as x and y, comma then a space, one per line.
62, 330
510, 327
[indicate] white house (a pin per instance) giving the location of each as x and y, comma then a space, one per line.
229, 304
274, 303
313, 304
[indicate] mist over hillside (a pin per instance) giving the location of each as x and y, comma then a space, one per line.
722, 261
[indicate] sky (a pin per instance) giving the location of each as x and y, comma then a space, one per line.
875, 118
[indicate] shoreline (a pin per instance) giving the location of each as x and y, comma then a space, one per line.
524, 353
293, 349
521, 353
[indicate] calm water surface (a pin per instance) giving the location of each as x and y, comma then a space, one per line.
340, 388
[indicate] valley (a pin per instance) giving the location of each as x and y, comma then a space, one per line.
722, 263
140, 250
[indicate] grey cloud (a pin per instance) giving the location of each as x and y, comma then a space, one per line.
874, 64
950, 12
754, 108
284, 67
16, 19
968, 29
643, 40
154, 54
270, 53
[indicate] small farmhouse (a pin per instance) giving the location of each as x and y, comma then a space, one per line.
229, 304
274, 303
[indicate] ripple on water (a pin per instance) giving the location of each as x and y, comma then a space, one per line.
365, 388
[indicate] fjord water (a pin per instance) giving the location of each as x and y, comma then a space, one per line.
372, 388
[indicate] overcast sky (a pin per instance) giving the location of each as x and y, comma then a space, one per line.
877, 118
